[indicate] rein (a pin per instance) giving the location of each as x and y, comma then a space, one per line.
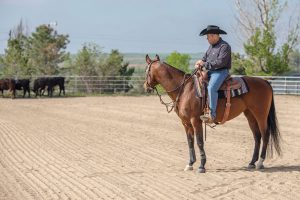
170, 106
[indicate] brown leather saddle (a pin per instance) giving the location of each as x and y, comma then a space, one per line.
227, 86
234, 84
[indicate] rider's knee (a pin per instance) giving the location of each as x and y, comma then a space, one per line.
212, 88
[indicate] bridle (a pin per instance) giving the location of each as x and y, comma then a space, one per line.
148, 74
169, 106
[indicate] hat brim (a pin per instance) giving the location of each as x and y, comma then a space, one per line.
212, 31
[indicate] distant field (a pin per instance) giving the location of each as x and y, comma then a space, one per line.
137, 60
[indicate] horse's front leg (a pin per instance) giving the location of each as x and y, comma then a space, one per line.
190, 139
197, 125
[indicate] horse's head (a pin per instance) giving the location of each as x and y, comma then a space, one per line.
150, 81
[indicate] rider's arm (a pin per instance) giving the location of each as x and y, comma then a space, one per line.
204, 57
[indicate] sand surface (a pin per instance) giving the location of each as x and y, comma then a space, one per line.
131, 148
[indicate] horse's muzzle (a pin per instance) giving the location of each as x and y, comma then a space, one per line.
149, 89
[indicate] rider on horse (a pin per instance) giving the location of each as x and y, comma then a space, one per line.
217, 60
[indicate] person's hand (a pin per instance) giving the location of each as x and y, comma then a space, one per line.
199, 64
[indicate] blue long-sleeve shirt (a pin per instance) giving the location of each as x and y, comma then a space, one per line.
218, 56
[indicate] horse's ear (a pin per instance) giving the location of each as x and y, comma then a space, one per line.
157, 57
148, 60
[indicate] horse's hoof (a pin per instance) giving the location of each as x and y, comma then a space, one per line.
251, 166
188, 168
201, 170
260, 167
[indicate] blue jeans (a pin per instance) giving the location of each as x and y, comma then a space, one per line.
216, 78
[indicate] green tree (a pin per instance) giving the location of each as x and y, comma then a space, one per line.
91, 61
261, 53
86, 63
87, 60
180, 61
125, 71
47, 50
264, 54
239, 64
15, 59
114, 65
295, 60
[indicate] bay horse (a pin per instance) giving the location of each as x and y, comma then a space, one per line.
257, 105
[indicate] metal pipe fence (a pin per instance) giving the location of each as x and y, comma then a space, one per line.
134, 84
284, 84
107, 84
280, 84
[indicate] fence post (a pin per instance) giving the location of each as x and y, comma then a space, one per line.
285, 86
76, 90
297, 89
124, 84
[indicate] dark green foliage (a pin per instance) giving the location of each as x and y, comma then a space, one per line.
295, 60
262, 57
180, 61
38, 54
264, 54
91, 61
15, 59
46, 50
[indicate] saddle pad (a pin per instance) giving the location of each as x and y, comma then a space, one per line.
222, 94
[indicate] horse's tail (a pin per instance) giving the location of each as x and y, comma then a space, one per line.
273, 129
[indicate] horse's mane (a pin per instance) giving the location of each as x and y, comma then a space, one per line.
174, 68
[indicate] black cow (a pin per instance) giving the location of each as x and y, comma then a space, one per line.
40, 84
8, 84
23, 84
54, 81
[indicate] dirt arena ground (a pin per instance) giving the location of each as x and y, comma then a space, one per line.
131, 148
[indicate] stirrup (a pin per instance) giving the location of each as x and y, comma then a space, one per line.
207, 118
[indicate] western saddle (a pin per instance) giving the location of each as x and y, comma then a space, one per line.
228, 85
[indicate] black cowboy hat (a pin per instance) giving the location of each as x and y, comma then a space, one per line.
211, 29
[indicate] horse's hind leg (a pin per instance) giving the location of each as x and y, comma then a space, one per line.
265, 138
190, 139
261, 118
257, 137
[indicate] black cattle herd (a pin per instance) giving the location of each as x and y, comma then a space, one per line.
40, 85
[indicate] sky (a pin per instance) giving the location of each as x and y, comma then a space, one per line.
139, 26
